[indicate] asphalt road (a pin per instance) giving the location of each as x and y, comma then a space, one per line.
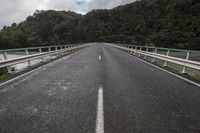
99, 89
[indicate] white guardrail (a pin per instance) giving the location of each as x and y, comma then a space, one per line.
35, 53
144, 50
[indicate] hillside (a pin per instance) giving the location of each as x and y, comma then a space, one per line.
164, 23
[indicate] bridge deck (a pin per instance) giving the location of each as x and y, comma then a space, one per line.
63, 97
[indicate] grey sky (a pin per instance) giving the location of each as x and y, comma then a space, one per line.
17, 10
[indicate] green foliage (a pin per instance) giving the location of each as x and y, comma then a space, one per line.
165, 23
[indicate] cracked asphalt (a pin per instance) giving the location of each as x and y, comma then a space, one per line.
62, 97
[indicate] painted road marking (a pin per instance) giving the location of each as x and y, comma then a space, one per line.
100, 113
99, 57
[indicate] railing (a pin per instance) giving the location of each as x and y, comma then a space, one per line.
184, 58
35, 53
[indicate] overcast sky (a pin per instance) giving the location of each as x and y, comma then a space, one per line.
17, 10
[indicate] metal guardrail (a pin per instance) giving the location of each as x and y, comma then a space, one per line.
37, 53
164, 55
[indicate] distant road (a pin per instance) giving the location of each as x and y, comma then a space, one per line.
99, 89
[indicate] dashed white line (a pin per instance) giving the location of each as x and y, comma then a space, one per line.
100, 112
99, 57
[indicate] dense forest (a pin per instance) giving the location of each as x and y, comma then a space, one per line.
163, 23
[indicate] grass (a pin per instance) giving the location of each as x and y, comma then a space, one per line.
4, 77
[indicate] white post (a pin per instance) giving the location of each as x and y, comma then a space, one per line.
49, 49
27, 52
9, 69
135, 50
153, 60
5, 58
131, 52
145, 57
5, 55
29, 62
165, 63
40, 50
140, 51
184, 68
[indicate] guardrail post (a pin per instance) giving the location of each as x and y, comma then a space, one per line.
130, 47
131, 52
124, 47
29, 62
49, 50
5, 55
135, 50
155, 51
187, 58
56, 48
26, 52
165, 63
61, 48
140, 51
73, 48
40, 50
70, 47
67, 48
9, 69
145, 57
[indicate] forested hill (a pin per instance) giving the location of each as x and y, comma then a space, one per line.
163, 23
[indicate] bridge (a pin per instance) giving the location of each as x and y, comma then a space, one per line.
100, 88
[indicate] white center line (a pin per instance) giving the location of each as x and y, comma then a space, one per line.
99, 57
100, 115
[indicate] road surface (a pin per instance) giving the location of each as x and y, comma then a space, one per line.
99, 89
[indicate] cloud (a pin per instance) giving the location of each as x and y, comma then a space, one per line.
106, 4
17, 10
80, 2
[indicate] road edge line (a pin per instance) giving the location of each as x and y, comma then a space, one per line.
36, 69
176, 75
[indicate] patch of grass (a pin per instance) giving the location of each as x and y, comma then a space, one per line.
4, 77
3, 74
